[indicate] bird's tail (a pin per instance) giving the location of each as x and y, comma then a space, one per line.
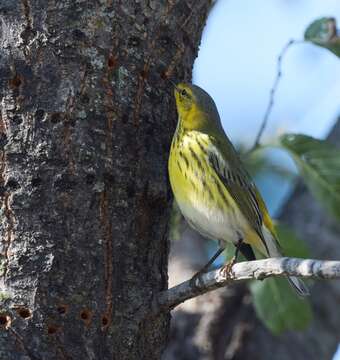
274, 251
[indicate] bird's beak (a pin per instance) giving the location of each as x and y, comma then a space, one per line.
174, 85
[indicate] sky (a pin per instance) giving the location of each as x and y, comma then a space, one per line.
237, 63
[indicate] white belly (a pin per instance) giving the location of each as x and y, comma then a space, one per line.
213, 223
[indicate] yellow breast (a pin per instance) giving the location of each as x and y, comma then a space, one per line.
202, 197
188, 167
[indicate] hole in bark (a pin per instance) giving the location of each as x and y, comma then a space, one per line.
24, 312
164, 75
133, 41
15, 82
39, 114
111, 62
5, 320
86, 316
105, 320
52, 329
62, 309
55, 118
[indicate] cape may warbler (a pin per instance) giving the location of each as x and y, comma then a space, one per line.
213, 190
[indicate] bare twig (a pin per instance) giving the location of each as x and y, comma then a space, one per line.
272, 92
258, 269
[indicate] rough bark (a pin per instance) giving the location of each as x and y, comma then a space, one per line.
225, 326
86, 124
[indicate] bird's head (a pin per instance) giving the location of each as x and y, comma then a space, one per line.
196, 109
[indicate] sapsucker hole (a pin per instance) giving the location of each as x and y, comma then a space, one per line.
164, 75
24, 312
111, 62
86, 316
105, 320
62, 309
56, 118
133, 41
52, 329
16, 81
5, 320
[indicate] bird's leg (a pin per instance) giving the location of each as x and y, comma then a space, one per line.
205, 268
226, 269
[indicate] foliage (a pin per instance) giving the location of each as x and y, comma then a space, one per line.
323, 32
319, 165
279, 307
276, 303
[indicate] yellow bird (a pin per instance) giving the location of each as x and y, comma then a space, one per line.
212, 188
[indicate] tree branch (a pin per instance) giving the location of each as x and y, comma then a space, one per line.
258, 269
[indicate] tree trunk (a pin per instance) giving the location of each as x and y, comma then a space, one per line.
86, 124
225, 325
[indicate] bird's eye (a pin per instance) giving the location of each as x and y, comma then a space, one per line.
184, 92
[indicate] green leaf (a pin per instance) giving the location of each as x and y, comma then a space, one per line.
279, 307
276, 303
323, 32
318, 163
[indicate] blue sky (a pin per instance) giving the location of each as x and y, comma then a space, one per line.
237, 65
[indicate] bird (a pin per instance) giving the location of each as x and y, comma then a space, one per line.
211, 186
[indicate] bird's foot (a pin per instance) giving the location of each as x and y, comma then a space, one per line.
226, 270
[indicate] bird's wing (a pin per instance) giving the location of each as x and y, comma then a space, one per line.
234, 177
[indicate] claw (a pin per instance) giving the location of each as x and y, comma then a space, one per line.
226, 270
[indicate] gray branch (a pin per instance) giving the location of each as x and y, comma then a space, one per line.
259, 269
